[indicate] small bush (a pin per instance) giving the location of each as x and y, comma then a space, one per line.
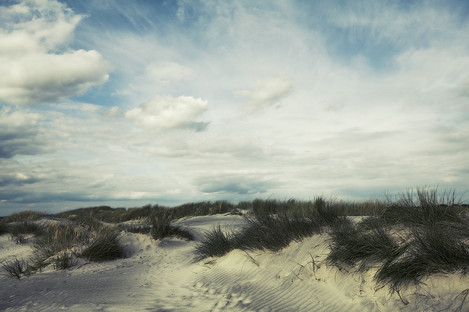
17, 268
104, 245
214, 244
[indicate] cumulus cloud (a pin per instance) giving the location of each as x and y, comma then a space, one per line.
267, 92
20, 134
35, 64
166, 112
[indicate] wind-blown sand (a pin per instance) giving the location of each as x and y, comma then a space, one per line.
163, 276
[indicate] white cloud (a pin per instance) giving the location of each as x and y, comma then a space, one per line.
35, 64
20, 133
166, 72
166, 112
353, 118
267, 92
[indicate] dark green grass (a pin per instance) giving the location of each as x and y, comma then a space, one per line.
215, 244
272, 225
273, 232
103, 246
430, 250
162, 227
423, 207
417, 235
363, 246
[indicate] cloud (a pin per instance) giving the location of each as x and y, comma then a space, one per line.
167, 72
267, 92
20, 134
234, 184
36, 67
17, 179
166, 112
360, 102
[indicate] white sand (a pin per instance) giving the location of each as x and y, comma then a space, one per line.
162, 276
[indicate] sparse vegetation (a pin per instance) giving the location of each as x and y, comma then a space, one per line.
24, 216
57, 239
16, 268
18, 230
272, 225
405, 238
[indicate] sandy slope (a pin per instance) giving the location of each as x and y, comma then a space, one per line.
162, 276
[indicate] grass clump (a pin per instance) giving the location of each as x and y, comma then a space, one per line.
104, 245
423, 207
162, 227
16, 268
215, 244
18, 231
273, 232
56, 239
362, 247
417, 235
432, 249
61, 244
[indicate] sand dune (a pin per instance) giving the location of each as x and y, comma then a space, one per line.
163, 276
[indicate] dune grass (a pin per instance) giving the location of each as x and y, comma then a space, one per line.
24, 216
215, 244
404, 238
271, 225
19, 230
418, 234
162, 227
104, 245
16, 268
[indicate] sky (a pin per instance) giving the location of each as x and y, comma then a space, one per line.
125, 103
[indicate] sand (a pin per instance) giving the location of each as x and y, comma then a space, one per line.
162, 275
